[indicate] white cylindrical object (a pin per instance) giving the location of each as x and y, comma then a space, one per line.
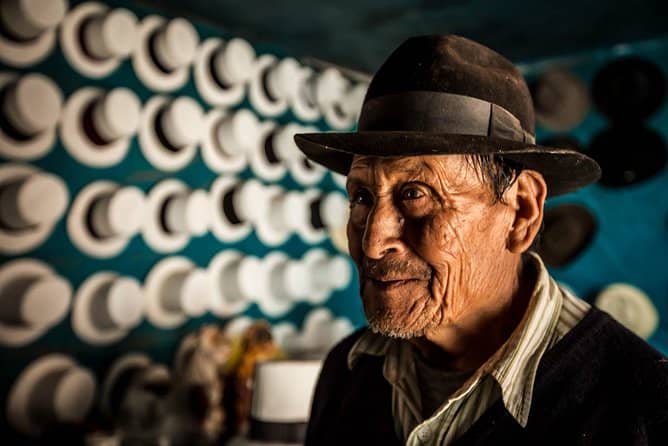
73, 395
176, 44
234, 62
333, 210
249, 200
124, 303
39, 199
352, 100
284, 144
187, 292
238, 132
120, 213
182, 122
331, 273
45, 301
283, 79
330, 86
116, 114
27, 19
33, 104
110, 35
188, 213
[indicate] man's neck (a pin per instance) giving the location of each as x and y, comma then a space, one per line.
468, 343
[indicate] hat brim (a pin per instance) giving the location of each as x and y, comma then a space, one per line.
564, 170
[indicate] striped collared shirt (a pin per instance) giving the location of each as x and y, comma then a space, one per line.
508, 374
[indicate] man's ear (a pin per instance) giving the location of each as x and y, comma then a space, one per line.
528, 202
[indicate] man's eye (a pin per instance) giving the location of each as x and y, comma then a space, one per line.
360, 197
411, 193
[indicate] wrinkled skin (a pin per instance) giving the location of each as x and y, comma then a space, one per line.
440, 262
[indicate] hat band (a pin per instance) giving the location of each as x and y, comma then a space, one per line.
439, 112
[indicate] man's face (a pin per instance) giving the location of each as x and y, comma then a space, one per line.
426, 238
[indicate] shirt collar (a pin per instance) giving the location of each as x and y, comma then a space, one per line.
514, 365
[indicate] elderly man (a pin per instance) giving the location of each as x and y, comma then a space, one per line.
470, 341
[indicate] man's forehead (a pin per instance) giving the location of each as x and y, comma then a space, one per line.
450, 169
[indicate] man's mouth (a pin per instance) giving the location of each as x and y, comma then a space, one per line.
389, 284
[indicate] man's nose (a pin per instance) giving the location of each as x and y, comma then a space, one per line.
382, 232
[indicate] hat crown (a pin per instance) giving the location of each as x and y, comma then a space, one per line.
456, 65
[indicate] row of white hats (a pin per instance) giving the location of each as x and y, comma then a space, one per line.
104, 216
97, 127
106, 306
95, 39
54, 389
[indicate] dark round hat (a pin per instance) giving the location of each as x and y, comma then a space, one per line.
629, 89
445, 94
628, 154
568, 231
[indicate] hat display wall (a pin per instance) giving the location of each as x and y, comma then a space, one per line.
629, 89
408, 110
560, 99
170, 131
164, 53
610, 148
236, 280
95, 38
568, 231
104, 217
97, 126
631, 307
229, 137
273, 83
303, 104
28, 30
33, 298
274, 151
106, 307
237, 205
125, 386
223, 69
31, 106
175, 289
174, 213
31, 203
281, 404
51, 391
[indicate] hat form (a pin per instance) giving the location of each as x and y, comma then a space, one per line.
445, 94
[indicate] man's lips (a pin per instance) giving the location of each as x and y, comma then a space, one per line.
389, 284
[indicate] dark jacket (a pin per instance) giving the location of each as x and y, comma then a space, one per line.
599, 385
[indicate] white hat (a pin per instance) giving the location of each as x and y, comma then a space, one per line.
229, 137
170, 130
176, 289
104, 217
164, 53
222, 70
32, 203
52, 390
33, 299
273, 83
31, 108
631, 307
95, 38
97, 126
31, 30
106, 307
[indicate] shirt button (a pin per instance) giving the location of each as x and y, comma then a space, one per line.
424, 434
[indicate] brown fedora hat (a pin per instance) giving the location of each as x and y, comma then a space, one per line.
445, 94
